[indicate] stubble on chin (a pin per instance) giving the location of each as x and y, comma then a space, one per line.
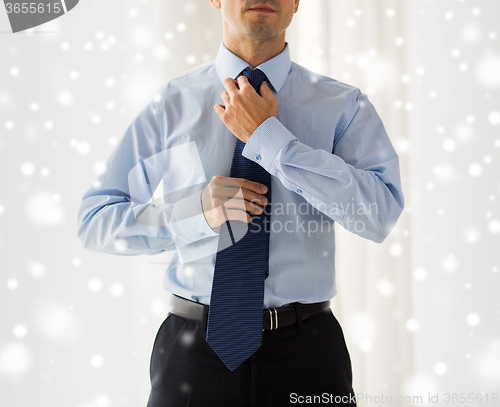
260, 27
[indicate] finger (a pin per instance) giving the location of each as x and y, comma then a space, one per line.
255, 200
230, 85
227, 182
242, 205
247, 205
243, 82
239, 182
225, 97
254, 197
265, 90
222, 195
240, 198
253, 186
227, 196
234, 184
220, 110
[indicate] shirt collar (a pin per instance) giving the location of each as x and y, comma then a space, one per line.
276, 69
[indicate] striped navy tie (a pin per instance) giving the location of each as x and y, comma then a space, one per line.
234, 329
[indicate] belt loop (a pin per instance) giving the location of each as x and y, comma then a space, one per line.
204, 320
298, 314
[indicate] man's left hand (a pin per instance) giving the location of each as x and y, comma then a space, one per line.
244, 110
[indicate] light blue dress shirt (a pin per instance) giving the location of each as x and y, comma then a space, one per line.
327, 150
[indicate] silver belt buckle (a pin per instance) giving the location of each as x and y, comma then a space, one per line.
273, 319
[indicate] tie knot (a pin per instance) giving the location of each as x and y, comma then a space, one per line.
255, 77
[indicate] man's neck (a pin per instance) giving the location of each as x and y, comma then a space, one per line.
254, 52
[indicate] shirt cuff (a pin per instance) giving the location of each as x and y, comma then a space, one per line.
266, 142
188, 221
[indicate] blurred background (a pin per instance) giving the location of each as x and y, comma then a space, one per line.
420, 311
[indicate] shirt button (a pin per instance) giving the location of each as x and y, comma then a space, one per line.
299, 191
202, 234
257, 157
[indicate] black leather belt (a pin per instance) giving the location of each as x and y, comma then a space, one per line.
272, 318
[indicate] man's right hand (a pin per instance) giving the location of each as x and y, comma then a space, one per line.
232, 197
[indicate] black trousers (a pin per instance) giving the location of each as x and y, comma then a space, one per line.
293, 365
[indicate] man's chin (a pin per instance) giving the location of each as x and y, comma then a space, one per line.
262, 32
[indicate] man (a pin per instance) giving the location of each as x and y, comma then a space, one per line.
288, 153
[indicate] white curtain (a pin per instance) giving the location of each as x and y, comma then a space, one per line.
352, 42
420, 311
